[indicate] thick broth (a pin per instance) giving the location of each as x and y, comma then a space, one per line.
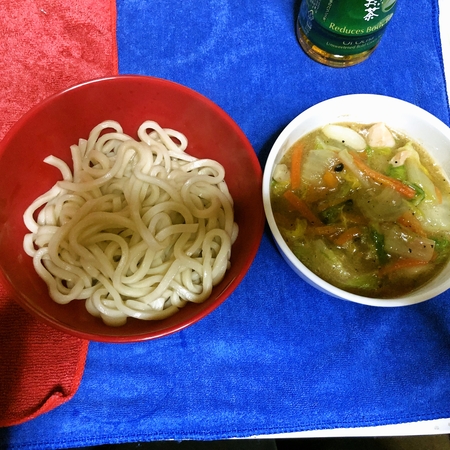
372, 218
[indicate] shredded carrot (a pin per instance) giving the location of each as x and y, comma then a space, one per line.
438, 194
330, 179
296, 166
402, 188
402, 263
352, 217
363, 155
313, 194
347, 236
410, 221
326, 230
299, 205
330, 202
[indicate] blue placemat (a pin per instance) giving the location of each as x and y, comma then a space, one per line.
277, 356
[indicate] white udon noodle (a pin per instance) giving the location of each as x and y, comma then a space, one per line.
138, 229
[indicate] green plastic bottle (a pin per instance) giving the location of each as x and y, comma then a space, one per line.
342, 33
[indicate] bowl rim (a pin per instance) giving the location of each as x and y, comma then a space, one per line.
258, 221
293, 262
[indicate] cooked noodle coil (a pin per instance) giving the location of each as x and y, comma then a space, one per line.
137, 228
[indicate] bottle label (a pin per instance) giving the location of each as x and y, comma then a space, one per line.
345, 27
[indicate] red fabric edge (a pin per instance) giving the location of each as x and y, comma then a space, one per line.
58, 397
114, 52
55, 399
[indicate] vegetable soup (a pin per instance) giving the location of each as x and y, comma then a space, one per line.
363, 207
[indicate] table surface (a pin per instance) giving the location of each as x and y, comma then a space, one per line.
84, 409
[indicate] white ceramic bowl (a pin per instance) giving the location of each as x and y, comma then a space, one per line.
400, 116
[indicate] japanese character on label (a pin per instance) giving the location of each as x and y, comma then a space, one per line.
371, 7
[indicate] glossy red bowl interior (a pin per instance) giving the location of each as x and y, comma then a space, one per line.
58, 122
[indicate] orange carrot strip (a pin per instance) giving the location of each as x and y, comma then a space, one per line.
314, 194
326, 230
438, 194
330, 179
401, 264
352, 217
402, 188
299, 205
296, 166
347, 236
363, 155
410, 221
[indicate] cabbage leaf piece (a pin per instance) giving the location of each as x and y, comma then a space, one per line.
380, 203
335, 266
407, 245
416, 173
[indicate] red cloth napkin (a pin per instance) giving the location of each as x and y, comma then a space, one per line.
46, 46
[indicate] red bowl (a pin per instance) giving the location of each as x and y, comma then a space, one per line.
58, 122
